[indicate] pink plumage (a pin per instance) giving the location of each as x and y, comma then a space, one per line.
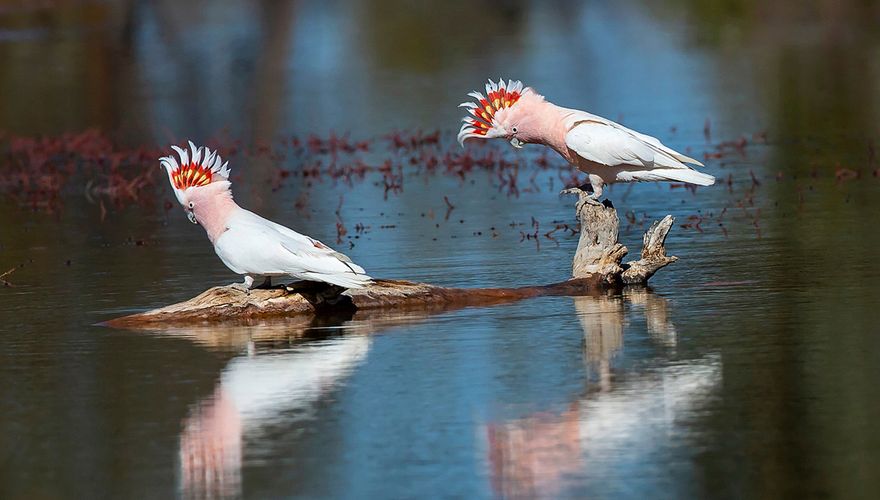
606, 151
248, 244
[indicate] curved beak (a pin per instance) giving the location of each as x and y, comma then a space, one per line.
192, 217
516, 143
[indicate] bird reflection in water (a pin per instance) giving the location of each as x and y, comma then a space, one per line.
211, 448
530, 457
615, 418
283, 370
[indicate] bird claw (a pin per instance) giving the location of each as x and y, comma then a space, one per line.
586, 198
241, 287
575, 190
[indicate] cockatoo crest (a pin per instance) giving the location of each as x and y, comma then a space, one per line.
498, 96
195, 168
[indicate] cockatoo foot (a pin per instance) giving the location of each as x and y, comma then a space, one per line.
585, 199
575, 191
248, 284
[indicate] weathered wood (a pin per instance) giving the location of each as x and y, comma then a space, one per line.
223, 303
596, 266
600, 253
653, 254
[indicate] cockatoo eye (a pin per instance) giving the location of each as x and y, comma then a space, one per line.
513, 130
191, 205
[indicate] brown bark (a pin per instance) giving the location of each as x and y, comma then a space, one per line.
596, 266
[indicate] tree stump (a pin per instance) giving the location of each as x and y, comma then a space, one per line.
596, 266
600, 253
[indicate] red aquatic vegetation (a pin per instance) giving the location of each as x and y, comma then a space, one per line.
524, 236
392, 178
842, 174
40, 173
564, 227
413, 140
449, 208
508, 179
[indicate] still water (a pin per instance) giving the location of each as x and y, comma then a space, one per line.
750, 367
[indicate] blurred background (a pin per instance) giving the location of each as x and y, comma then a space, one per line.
150, 69
747, 370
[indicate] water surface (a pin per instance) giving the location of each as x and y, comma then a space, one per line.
748, 369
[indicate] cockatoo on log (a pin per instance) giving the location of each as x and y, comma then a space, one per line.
247, 243
606, 151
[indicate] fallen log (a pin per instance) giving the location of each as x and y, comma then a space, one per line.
596, 266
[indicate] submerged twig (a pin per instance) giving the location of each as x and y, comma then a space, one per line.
3, 276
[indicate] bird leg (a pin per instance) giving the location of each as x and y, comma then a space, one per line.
247, 286
586, 196
593, 190
582, 197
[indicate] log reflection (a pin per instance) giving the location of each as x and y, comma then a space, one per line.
656, 310
601, 318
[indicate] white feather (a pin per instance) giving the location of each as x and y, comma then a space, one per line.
257, 246
517, 87
466, 132
184, 156
209, 158
635, 156
196, 153
668, 174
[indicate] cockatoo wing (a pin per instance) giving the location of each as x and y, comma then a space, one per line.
607, 145
602, 141
254, 245
577, 117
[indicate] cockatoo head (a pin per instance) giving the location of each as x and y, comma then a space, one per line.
197, 174
502, 113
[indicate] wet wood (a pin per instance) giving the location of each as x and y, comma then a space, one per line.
597, 266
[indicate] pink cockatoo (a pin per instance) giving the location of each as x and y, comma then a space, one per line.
606, 151
247, 243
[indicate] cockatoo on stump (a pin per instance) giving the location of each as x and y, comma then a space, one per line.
247, 243
606, 151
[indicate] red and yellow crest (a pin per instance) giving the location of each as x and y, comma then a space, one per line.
191, 175
195, 167
498, 96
